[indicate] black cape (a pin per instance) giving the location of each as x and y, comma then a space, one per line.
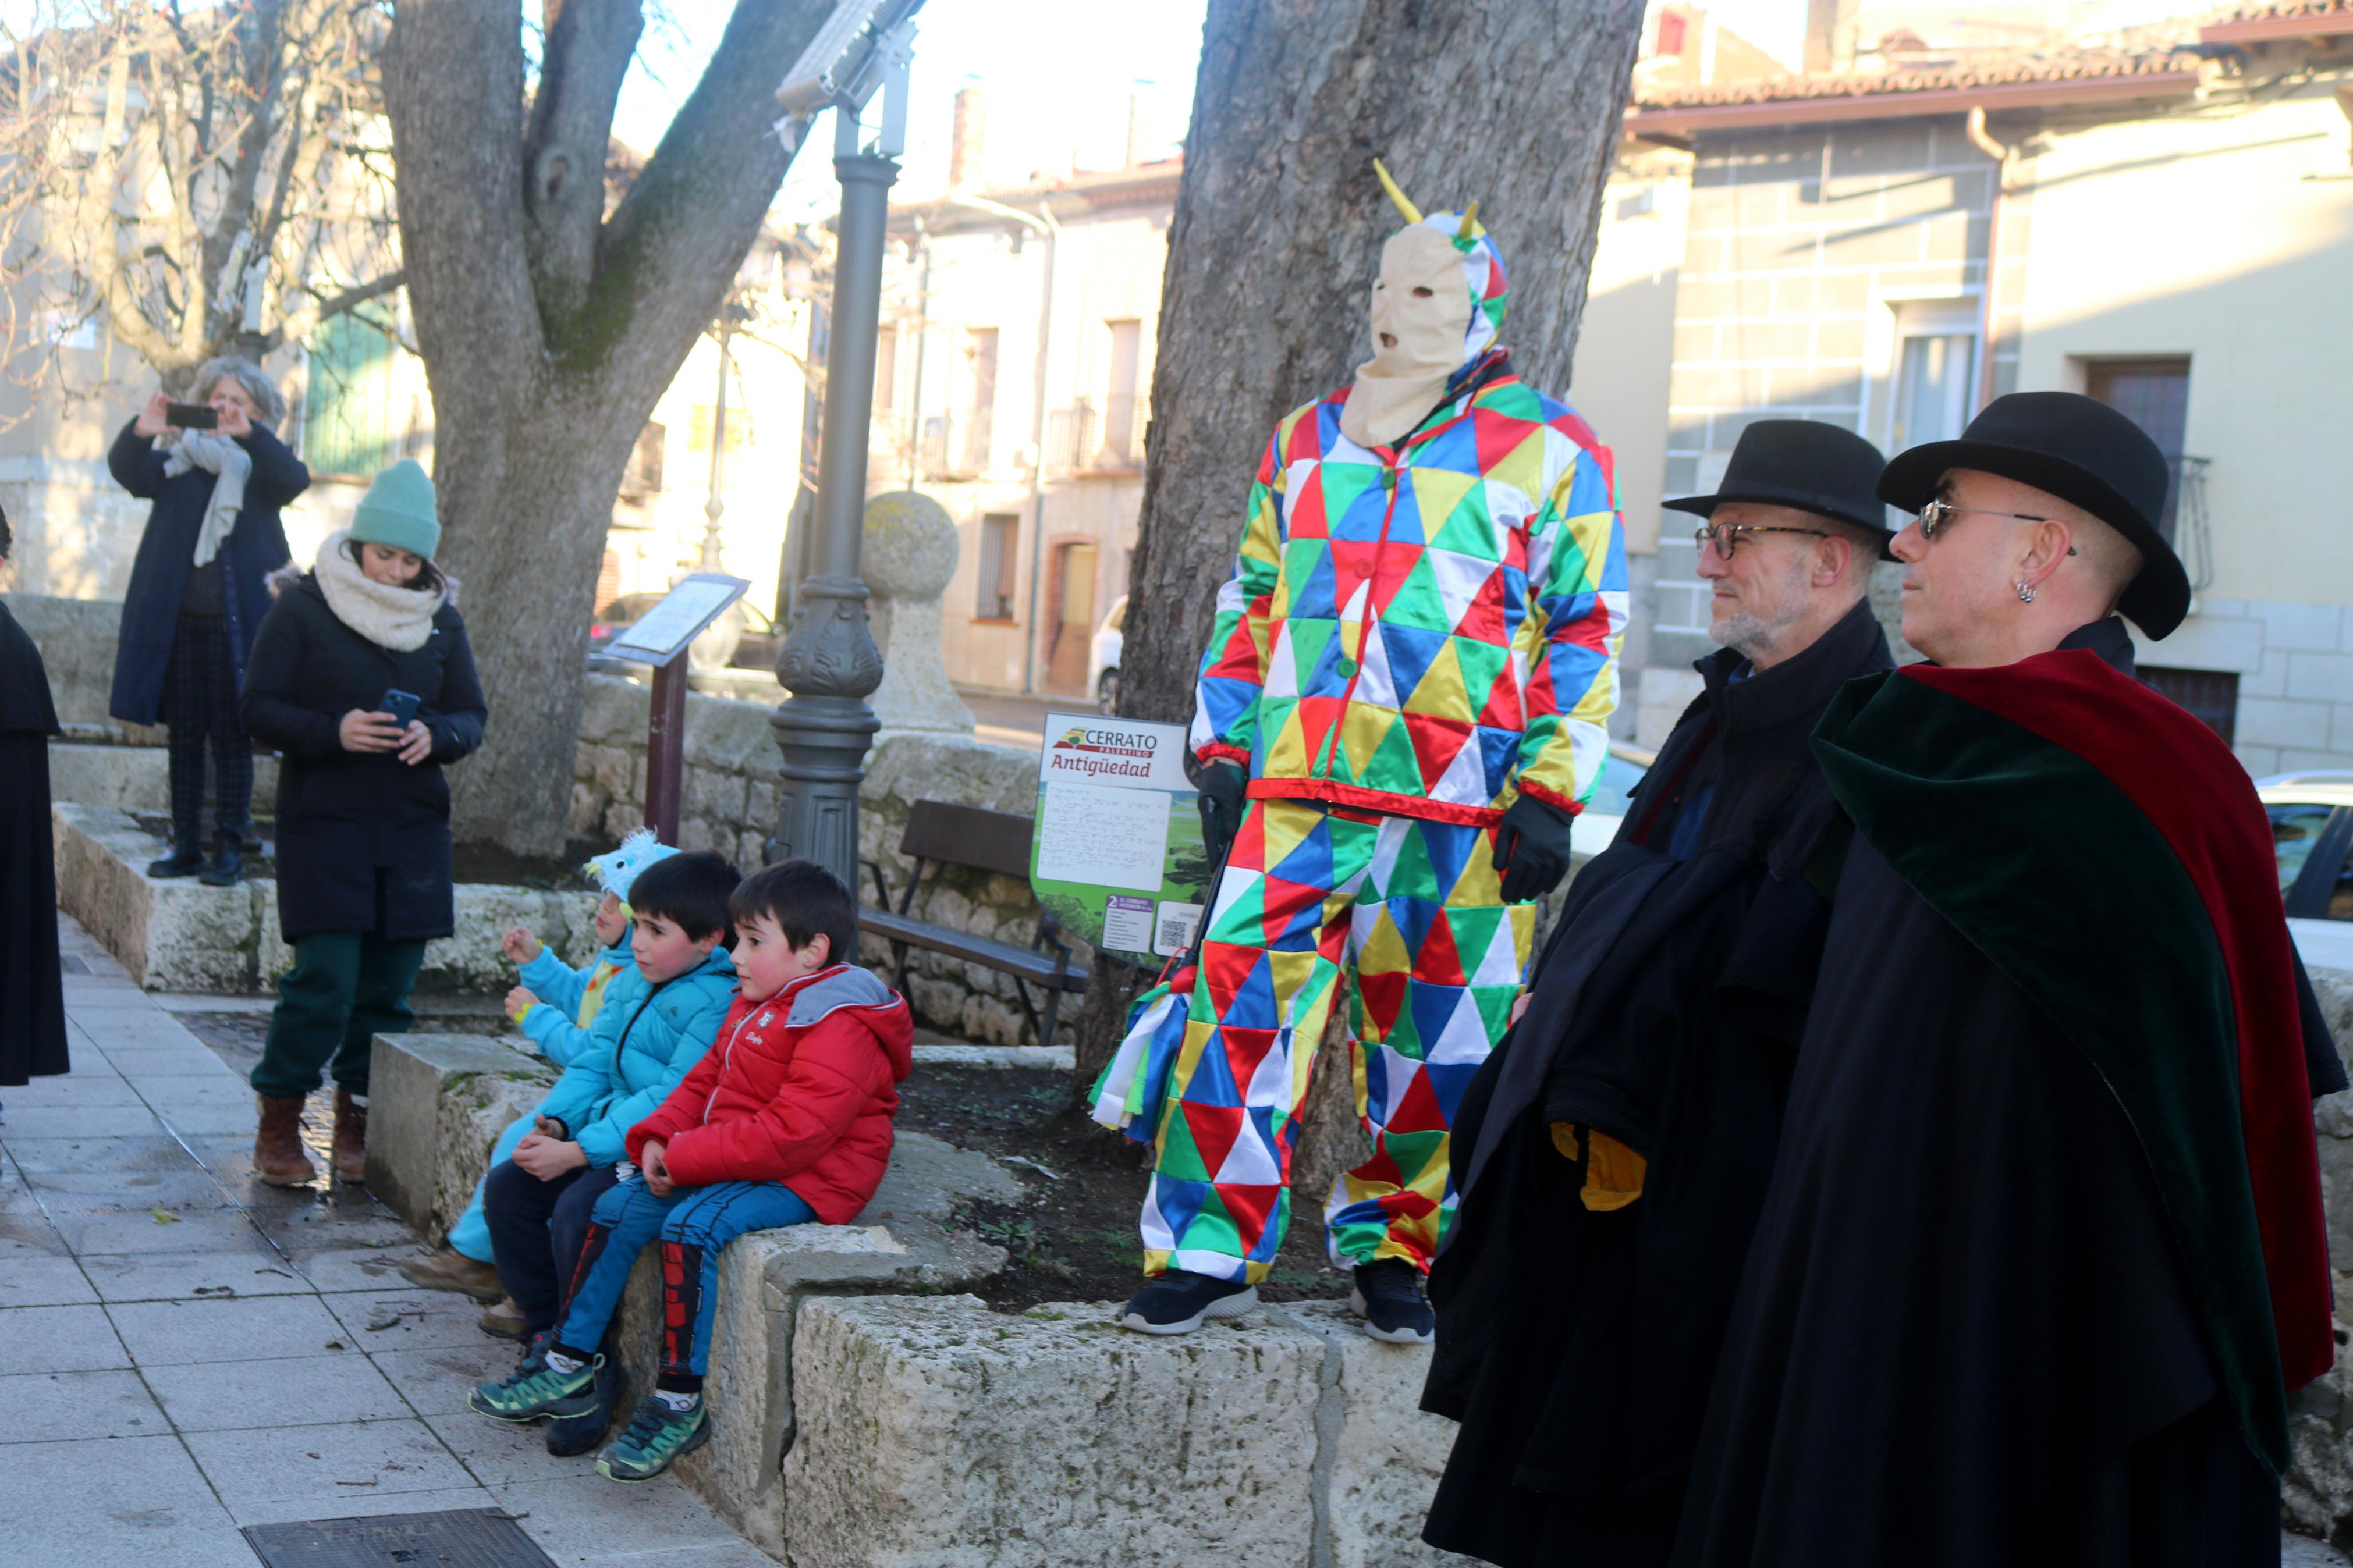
1575, 1345
32, 995
1964, 1335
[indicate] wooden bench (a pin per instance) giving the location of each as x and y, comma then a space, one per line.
941, 833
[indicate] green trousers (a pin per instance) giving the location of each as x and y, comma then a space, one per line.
345, 988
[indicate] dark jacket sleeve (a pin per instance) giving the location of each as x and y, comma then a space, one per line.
278, 476
135, 463
271, 714
458, 714
2322, 1065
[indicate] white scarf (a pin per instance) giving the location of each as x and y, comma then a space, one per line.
219, 455
397, 618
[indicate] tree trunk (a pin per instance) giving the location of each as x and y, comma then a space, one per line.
549, 328
1278, 230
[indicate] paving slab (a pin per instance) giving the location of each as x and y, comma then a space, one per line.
588, 1514
361, 1502
132, 1500
253, 1268
140, 1233
436, 1381
340, 1268
321, 1469
291, 1393
58, 1339
170, 1333
35, 1121
379, 1321
38, 1280
60, 1406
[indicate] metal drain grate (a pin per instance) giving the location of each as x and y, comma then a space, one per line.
459, 1538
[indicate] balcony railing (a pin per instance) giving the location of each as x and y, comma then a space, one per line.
2185, 519
1085, 438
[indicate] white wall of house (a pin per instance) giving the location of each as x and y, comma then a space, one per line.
2226, 236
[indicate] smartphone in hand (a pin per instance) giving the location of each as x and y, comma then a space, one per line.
192, 416
402, 706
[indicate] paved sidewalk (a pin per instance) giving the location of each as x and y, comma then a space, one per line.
184, 1351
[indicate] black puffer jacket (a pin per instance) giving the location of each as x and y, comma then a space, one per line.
344, 817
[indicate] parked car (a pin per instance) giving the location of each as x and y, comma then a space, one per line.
1591, 833
2311, 836
755, 649
1103, 655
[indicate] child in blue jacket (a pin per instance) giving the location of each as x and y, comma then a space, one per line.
657, 1021
556, 1005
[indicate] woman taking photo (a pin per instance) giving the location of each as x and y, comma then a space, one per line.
195, 599
363, 682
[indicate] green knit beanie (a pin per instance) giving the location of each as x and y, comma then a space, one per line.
398, 511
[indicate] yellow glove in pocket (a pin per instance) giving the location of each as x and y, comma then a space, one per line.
1613, 1173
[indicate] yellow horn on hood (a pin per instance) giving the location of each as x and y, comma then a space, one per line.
1388, 184
1470, 229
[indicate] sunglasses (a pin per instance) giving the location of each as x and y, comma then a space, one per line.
1932, 518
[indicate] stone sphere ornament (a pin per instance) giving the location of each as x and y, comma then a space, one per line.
910, 551
908, 558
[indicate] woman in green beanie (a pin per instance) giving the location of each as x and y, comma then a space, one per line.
364, 874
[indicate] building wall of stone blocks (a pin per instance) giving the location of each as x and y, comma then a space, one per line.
2294, 665
729, 804
1800, 245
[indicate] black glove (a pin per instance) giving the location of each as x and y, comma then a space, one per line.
1221, 807
1532, 849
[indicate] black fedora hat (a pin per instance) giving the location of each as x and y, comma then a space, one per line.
1814, 466
2086, 453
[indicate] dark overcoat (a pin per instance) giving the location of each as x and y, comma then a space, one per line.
345, 817
167, 551
32, 998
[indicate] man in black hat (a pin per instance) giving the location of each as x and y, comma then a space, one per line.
1608, 1156
2041, 1252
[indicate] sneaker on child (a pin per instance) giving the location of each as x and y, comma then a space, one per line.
1387, 1296
1178, 1301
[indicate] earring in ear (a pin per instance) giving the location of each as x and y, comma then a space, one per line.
2025, 592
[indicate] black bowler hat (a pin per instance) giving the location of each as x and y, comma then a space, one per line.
2082, 451
1816, 467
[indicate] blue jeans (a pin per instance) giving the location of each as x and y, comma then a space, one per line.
470, 1236
694, 1225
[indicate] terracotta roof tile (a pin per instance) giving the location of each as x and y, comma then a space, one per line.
2015, 71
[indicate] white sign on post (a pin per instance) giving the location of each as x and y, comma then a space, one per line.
1117, 854
662, 633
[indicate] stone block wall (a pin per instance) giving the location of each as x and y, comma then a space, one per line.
730, 805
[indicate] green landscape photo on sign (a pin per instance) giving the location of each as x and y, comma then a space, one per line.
1117, 855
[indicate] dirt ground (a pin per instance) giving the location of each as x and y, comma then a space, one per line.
1075, 1240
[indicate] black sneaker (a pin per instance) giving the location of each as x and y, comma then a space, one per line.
178, 863
1389, 1298
1177, 1301
571, 1436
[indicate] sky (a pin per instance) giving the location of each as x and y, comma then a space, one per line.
1059, 76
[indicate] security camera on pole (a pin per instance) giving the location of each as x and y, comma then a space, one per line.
830, 663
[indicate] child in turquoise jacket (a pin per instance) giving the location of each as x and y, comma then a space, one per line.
556, 1006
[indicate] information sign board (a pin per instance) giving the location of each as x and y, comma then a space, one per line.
662, 633
1117, 855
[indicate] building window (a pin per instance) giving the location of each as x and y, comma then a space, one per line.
2212, 696
979, 430
999, 562
2154, 394
644, 475
1934, 387
347, 406
886, 369
1122, 427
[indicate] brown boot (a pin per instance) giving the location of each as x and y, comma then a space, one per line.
351, 1138
277, 1156
503, 1320
450, 1270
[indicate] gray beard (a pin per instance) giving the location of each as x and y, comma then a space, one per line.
1746, 635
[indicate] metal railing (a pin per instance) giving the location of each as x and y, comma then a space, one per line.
2186, 519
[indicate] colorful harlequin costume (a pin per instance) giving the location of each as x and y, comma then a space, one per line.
1420, 632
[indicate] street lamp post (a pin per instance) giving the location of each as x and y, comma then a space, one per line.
830, 663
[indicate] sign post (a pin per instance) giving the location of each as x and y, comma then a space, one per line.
661, 637
1117, 854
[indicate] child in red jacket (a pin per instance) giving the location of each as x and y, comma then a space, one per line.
787, 1120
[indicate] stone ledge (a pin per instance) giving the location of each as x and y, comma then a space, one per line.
180, 936
438, 1102
135, 778
937, 1433
1054, 1059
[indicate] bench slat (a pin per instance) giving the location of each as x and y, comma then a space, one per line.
971, 836
1033, 966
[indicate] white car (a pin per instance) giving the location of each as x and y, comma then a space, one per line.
1103, 655
2311, 836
